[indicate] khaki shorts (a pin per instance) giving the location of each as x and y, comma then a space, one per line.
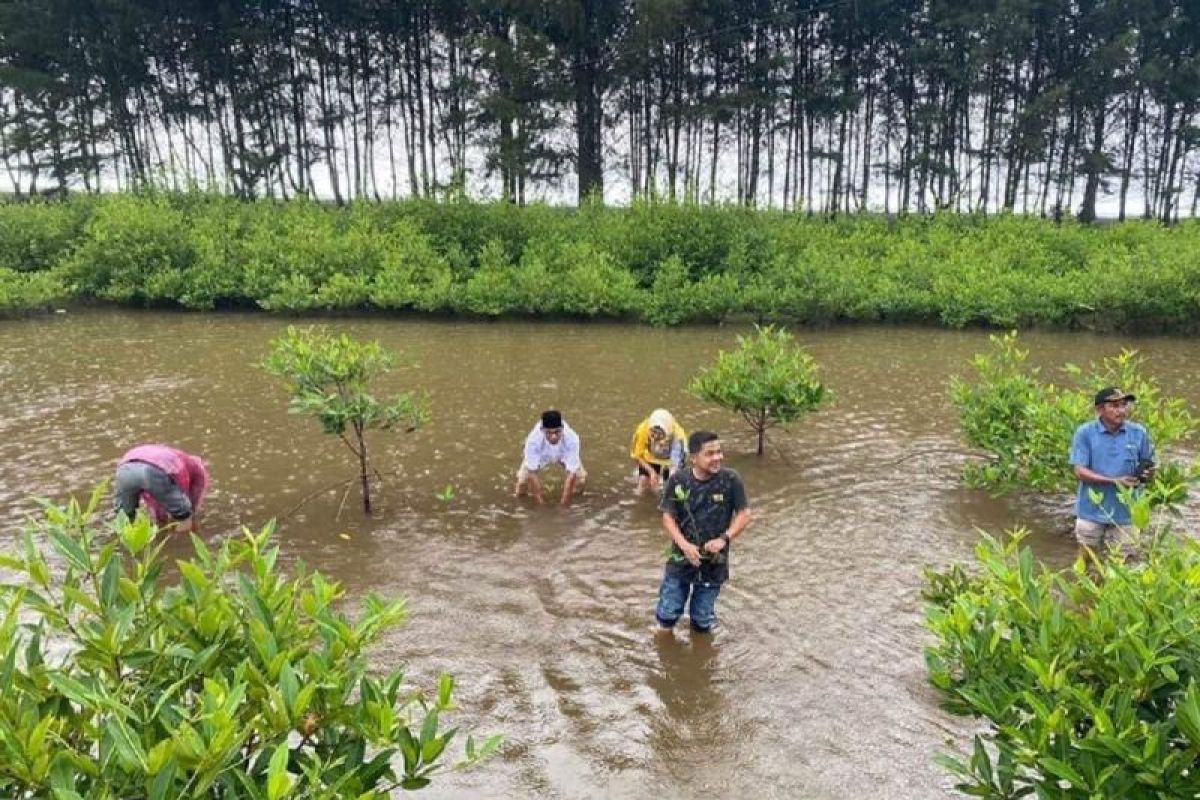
1100, 536
523, 474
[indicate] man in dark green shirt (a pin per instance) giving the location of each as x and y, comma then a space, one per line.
704, 510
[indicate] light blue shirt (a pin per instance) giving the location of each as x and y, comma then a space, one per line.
1113, 454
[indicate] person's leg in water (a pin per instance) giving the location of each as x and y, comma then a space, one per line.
1097, 540
128, 487
643, 480
703, 606
528, 479
672, 595
653, 478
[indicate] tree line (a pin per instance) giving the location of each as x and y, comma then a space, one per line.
1036, 106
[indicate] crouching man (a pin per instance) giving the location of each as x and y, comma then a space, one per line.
551, 441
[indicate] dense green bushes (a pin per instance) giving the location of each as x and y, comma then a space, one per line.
1084, 681
662, 263
1025, 423
224, 679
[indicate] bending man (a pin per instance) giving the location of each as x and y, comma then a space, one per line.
170, 482
550, 442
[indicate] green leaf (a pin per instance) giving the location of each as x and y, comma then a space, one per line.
69, 549
445, 690
72, 689
414, 783
1063, 770
137, 534
429, 727
163, 787
279, 780
129, 748
289, 686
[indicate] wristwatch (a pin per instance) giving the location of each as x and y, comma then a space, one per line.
726, 537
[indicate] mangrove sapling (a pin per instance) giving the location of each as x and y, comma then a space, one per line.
768, 381
329, 378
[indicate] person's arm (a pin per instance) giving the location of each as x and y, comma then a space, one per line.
1081, 458
530, 464
679, 450
535, 486
741, 518
639, 451
568, 488
185, 525
572, 463
738, 524
1088, 475
637, 448
689, 550
653, 477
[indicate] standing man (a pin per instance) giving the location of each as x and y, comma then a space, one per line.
170, 482
1107, 453
704, 510
550, 442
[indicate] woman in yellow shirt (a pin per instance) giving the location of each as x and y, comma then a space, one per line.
659, 444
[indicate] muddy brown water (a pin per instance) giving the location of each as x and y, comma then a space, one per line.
813, 685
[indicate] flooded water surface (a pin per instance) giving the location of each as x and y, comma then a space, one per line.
813, 685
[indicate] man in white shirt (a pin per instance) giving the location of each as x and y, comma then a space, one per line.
550, 442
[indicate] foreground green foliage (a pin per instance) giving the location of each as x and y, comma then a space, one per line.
768, 380
1086, 679
663, 263
330, 378
232, 681
1025, 424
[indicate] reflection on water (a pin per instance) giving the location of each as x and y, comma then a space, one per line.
813, 685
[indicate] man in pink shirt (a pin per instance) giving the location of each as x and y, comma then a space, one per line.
169, 481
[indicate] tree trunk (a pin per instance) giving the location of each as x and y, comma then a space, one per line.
363, 468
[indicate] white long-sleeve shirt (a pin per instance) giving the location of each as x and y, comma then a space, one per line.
540, 453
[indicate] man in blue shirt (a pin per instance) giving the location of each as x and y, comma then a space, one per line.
1107, 453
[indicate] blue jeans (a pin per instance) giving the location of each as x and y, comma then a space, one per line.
678, 581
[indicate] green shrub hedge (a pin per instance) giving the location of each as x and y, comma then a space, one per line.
662, 263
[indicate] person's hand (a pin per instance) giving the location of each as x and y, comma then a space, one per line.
691, 553
715, 545
1126, 480
655, 481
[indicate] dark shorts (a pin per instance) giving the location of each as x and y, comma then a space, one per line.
662, 469
678, 583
